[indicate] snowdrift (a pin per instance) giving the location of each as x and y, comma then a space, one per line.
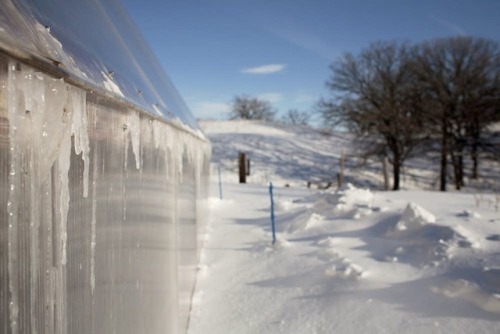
405, 261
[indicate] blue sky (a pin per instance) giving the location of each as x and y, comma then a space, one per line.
280, 50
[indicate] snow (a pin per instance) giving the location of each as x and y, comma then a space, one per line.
413, 218
349, 260
110, 85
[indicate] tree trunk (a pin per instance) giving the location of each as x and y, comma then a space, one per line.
458, 167
396, 169
475, 159
396, 172
475, 148
386, 172
444, 154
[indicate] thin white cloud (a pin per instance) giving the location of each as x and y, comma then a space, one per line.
303, 98
271, 97
265, 69
308, 41
454, 28
208, 110
299, 35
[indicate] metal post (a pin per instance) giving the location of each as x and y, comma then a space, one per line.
220, 183
273, 223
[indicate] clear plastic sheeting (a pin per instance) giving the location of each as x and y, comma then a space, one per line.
101, 210
92, 44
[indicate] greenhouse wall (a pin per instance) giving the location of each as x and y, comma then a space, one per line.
100, 210
103, 177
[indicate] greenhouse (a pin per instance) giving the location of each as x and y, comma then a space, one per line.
104, 176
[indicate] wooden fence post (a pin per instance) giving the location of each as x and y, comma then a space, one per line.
386, 172
242, 167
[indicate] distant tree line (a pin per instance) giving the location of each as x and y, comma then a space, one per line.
253, 108
296, 117
400, 97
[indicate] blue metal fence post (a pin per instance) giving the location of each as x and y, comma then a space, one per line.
273, 223
220, 183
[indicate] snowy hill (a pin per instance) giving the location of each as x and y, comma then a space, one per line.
293, 155
353, 260
296, 155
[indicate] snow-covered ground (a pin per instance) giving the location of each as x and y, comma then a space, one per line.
352, 260
296, 155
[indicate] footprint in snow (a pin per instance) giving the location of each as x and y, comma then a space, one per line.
345, 269
493, 237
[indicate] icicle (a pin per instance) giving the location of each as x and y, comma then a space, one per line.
64, 164
12, 206
161, 141
126, 131
79, 129
93, 225
147, 135
157, 133
177, 150
49, 121
134, 126
37, 185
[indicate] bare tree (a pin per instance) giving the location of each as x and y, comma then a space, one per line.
461, 81
252, 108
376, 98
295, 117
